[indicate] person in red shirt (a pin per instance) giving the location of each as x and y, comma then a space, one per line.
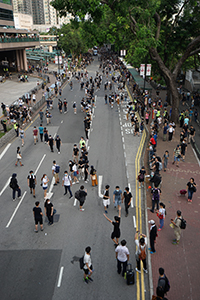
35, 135
152, 141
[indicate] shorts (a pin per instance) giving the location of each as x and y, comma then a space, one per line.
106, 202
81, 202
176, 158
118, 202
75, 174
38, 221
86, 271
56, 176
115, 235
32, 186
44, 187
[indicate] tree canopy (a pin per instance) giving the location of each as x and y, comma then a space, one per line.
166, 31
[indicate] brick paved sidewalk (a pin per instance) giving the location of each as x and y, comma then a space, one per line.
179, 261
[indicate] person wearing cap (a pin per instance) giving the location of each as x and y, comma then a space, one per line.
106, 198
153, 235
58, 143
31, 180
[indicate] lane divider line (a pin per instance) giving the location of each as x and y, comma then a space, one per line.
5, 150
16, 209
60, 277
40, 164
134, 222
100, 180
5, 186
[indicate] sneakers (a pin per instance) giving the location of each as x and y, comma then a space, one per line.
82, 209
159, 229
90, 279
14, 199
152, 252
19, 197
136, 269
73, 182
145, 270
77, 181
70, 197
86, 280
106, 211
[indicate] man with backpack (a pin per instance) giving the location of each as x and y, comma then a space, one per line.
67, 183
176, 225
141, 243
155, 198
55, 172
163, 281
14, 186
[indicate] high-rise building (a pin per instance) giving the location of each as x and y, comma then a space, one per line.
23, 14
6, 13
38, 12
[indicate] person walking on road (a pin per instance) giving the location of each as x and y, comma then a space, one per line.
165, 159
87, 268
82, 197
75, 153
191, 187
155, 198
93, 176
67, 183
38, 216
46, 135
58, 143
41, 114
48, 206
177, 155
19, 157
35, 135
22, 135
153, 235
141, 243
122, 256
127, 197
176, 225
106, 198
15, 187
74, 107
141, 176
117, 197
51, 142
44, 184
31, 180
41, 132
55, 172
65, 105
116, 231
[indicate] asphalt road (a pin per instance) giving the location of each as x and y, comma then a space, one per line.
31, 263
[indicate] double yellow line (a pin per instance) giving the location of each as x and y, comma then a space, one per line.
138, 207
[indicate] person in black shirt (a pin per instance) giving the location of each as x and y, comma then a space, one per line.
183, 149
37, 213
51, 143
75, 153
31, 180
49, 211
14, 186
82, 197
116, 232
127, 196
191, 133
58, 143
191, 185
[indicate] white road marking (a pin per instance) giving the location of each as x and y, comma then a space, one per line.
5, 186
54, 135
122, 133
125, 154
40, 164
50, 194
124, 146
61, 121
120, 123
132, 204
88, 148
4, 151
134, 222
16, 209
100, 180
60, 277
75, 200
123, 139
127, 175
196, 157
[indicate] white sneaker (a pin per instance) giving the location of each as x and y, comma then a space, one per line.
145, 270
73, 182
82, 209
137, 270
77, 181
86, 181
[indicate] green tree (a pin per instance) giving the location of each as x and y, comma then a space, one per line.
166, 31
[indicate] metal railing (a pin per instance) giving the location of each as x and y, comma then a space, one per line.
19, 40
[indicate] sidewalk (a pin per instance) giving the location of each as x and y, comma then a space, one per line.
179, 261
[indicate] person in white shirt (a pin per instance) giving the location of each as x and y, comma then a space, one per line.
67, 183
122, 256
88, 270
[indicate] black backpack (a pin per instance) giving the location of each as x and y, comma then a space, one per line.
77, 195
167, 284
183, 223
11, 183
81, 262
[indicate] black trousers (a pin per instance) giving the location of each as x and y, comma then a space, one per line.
152, 244
50, 218
86, 175
41, 137
126, 207
144, 264
119, 267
